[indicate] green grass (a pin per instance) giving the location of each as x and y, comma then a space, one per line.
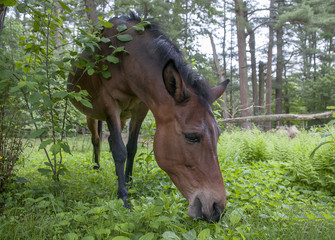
275, 191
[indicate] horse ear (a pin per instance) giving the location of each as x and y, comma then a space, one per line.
174, 83
218, 90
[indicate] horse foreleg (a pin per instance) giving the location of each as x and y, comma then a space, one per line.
119, 153
138, 116
95, 128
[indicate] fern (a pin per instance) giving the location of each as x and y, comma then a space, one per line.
254, 148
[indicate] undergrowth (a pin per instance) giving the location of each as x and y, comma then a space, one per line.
275, 191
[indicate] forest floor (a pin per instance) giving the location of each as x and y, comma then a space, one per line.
275, 191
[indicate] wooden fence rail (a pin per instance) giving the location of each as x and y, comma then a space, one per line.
278, 117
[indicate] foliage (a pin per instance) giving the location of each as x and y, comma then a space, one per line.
293, 155
12, 121
326, 132
253, 147
40, 75
264, 200
40, 80
275, 189
11, 131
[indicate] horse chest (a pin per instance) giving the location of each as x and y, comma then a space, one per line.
127, 106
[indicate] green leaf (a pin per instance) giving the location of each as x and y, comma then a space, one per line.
63, 5
37, 133
148, 236
45, 171
112, 59
327, 216
204, 234
88, 238
89, 48
107, 24
310, 216
120, 238
21, 7
9, 3
67, 59
90, 71
73, 53
190, 235
21, 180
125, 37
47, 164
139, 27
106, 74
71, 236
168, 235
35, 97
102, 231
163, 219
65, 146
121, 28
55, 148
86, 103
235, 217
60, 94
119, 49
331, 107
61, 172
105, 40
45, 143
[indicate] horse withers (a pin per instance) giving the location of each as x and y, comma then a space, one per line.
152, 74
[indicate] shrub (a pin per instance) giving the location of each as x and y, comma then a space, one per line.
10, 134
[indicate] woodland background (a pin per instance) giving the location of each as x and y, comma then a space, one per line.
279, 55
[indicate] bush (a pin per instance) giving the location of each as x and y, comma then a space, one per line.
10, 134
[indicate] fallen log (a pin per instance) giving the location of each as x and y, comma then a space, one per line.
278, 117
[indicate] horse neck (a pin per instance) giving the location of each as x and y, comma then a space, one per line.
151, 90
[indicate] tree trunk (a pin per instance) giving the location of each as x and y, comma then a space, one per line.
92, 14
252, 47
279, 72
269, 66
2, 16
242, 59
261, 91
286, 98
261, 87
231, 69
220, 74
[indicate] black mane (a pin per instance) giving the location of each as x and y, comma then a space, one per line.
167, 50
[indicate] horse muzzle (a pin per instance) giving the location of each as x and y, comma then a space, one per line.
206, 209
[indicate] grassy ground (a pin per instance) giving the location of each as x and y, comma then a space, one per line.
275, 191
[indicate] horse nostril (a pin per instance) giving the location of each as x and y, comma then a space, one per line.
198, 205
216, 213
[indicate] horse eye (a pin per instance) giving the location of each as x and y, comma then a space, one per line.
192, 137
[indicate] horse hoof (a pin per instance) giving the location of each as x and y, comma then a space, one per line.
96, 167
127, 206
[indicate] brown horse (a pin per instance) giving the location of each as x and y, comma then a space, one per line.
153, 75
